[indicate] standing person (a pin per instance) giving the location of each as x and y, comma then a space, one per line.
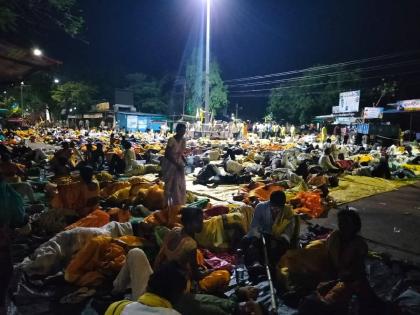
292, 131
12, 215
324, 134
283, 131
173, 170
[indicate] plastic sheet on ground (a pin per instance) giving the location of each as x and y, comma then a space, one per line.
353, 188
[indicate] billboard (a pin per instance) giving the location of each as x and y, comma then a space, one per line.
349, 102
336, 109
409, 105
373, 112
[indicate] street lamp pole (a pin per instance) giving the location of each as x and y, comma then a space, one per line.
207, 81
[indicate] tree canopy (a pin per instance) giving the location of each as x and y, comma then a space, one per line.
72, 94
149, 93
31, 16
315, 93
195, 86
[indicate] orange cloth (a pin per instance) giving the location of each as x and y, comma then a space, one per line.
112, 188
217, 281
77, 196
100, 258
159, 217
309, 203
97, 218
119, 215
263, 192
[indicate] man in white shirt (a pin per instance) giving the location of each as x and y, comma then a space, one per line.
326, 163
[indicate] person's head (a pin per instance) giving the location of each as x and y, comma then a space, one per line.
126, 145
99, 147
328, 140
349, 223
180, 129
86, 173
277, 199
65, 145
89, 146
341, 156
327, 151
192, 219
168, 282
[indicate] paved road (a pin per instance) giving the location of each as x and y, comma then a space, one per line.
391, 222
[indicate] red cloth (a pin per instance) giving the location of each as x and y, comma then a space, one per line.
215, 211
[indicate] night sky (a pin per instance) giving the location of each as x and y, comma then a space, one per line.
249, 37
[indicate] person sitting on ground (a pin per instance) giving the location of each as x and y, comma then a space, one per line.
89, 191
13, 175
275, 221
164, 288
62, 155
98, 157
340, 259
344, 164
325, 162
180, 245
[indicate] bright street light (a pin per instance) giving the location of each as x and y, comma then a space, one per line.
207, 81
22, 83
37, 52
56, 81
74, 108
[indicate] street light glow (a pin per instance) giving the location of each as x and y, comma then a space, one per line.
37, 52
56, 81
22, 83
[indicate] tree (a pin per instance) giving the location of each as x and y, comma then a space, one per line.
312, 94
30, 16
383, 90
72, 94
195, 86
149, 94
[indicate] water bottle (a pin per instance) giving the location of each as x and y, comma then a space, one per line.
240, 268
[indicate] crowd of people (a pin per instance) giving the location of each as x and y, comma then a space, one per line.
113, 209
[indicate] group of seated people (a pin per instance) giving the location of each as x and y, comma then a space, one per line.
321, 278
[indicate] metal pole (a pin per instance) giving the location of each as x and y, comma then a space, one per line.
411, 124
184, 96
21, 96
207, 81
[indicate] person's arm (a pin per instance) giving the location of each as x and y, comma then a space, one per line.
169, 155
256, 224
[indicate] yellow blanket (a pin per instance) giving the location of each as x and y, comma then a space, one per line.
353, 188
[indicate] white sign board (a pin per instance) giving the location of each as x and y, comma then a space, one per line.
335, 109
349, 102
409, 105
131, 122
373, 112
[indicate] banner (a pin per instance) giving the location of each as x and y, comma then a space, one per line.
349, 102
409, 105
373, 112
335, 109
